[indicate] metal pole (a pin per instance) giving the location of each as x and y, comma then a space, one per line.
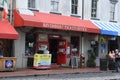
11, 11
82, 9
82, 38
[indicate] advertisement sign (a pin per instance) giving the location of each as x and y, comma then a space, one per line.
9, 64
42, 60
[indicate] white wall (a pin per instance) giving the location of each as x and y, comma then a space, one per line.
85, 46
104, 10
44, 6
87, 9
64, 7
22, 4
19, 47
117, 15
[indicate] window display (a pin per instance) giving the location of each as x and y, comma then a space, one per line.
30, 44
75, 45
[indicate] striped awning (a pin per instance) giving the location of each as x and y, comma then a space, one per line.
108, 28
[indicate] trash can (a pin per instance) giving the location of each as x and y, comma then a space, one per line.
103, 64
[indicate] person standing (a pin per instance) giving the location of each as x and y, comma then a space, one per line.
111, 62
112, 54
117, 60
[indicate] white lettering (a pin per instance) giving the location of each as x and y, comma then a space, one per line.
66, 27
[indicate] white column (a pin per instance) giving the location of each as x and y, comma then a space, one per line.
19, 50
11, 11
82, 42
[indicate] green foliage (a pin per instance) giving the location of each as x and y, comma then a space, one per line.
91, 59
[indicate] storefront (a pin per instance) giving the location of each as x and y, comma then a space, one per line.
109, 37
61, 34
7, 36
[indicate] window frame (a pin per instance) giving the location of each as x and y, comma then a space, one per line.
54, 5
75, 45
30, 44
31, 4
112, 12
74, 7
112, 9
94, 8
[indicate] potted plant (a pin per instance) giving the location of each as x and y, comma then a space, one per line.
91, 59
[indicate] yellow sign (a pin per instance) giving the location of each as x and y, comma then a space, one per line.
42, 60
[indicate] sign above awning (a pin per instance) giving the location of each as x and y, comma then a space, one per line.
53, 21
108, 28
7, 31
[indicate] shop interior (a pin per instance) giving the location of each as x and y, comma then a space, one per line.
53, 47
112, 45
7, 47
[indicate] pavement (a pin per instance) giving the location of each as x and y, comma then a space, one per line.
63, 74
37, 72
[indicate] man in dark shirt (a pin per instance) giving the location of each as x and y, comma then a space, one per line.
117, 60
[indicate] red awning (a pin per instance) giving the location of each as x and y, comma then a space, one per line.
53, 21
7, 31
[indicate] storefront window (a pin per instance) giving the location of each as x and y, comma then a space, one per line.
75, 45
7, 47
30, 44
94, 47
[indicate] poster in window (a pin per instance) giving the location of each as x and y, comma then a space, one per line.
103, 48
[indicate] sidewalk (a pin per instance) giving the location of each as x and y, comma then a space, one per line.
30, 72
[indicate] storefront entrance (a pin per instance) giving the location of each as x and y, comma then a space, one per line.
57, 47
53, 47
112, 45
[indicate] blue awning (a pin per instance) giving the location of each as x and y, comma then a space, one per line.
108, 28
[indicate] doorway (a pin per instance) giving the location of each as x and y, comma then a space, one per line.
112, 45
53, 47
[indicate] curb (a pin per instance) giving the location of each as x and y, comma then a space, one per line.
27, 75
